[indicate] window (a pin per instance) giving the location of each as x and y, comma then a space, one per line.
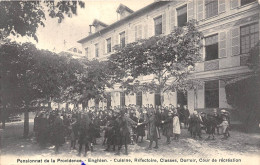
139, 99
122, 98
122, 39
158, 25
249, 37
108, 45
157, 99
96, 50
212, 94
182, 98
244, 2
86, 52
211, 7
211, 47
182, 16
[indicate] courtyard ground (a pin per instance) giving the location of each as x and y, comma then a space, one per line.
240, 147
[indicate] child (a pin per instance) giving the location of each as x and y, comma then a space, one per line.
224, 126
176, 127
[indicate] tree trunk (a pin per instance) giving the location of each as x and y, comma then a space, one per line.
67, 106
49, 104
26, 122
83, 106
162, 98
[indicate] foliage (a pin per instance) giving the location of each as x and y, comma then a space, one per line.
91, 83
169, 58
29, 74
24, 17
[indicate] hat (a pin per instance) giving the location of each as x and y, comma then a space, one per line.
223, 111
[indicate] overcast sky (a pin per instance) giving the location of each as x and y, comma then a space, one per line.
73, 29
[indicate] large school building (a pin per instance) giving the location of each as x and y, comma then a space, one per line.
230, 28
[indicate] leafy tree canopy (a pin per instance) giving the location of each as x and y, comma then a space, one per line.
169, 58
29, 74
22, 18
90, 84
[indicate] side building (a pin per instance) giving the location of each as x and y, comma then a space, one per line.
230, 27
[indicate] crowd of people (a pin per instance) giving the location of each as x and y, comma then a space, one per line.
123, 126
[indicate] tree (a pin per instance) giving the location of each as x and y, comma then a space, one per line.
22, 18
91, 83
29, 74
243, 93
169, 58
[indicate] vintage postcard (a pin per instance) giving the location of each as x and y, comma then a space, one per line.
130, 82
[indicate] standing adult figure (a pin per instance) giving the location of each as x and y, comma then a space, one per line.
152, 130
58, 132
84, 136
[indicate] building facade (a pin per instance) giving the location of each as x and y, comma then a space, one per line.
230, 28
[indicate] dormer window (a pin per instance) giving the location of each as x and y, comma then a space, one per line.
98, 25
124, 11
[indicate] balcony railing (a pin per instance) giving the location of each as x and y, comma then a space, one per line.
222, 63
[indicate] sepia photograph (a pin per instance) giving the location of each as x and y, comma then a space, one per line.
169, 82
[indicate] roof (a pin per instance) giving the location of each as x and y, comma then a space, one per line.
97, 22
122, 7
140, 12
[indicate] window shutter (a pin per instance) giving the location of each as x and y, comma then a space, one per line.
201, 52
103, 47
139, 33
200, 9
145, 31
116, 38
151, 28
221, 6
190, 11
89, 52
131, 34
112, 42
234, 4
172, 19
235, 37
164, 23
222, 45
136, 33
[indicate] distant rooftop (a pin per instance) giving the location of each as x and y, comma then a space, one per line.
122, 7
122, 21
